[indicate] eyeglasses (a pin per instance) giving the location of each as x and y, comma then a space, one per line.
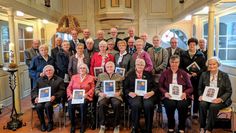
140, 64
82, 68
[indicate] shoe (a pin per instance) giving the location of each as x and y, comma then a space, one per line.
102, 129
116, 129
181, 131
43, 127
72, 129
50, 126
170, 131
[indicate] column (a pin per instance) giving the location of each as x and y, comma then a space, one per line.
217, 36
91, 16
211, 15
13, 47
196, 26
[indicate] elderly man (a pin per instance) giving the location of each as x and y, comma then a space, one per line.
131, 32
131, 47
58, 48
86, 35
75, 40
147, 45
202, 47
113, 33
100, 37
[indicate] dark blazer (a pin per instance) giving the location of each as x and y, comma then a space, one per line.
54, 52
29, 54
73, 46
117, 40
62, 61
129, 83
147, 46
56, 84
223, 83
127, 38
178, 52
82, 41
72, 67
125, 63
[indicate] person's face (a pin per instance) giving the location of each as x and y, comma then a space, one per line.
74, 34
113, 32
144, 37
89, 45
66, 46
131, 43
192, 46
156, 42
174, 64
86, 33
139, 66
173, 43
35, 44
82, 69
43, 51
110, 45
202, 44
131, 32
58, 42
139, 46
80, 49
102, 48
122, 47
100, 35
110, 68
49, 72
212, 65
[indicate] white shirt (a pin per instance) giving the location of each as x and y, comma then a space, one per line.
213, 80
121, 57
173, 51
174, 78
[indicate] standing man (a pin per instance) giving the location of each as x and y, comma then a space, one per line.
100, 37
131, 48
114, 37
173, 49
131, 32
58, 48
202, 47
147, 45
86, 35
75, 40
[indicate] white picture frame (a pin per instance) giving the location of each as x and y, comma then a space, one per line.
109, 87
98, 70
193, 67
78, 96
120, 71
44, 94
210, 93
176, 91
140, 87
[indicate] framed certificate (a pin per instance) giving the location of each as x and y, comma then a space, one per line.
98, 70
78, 96
210, 93
193, 67
120, 71
109, 87
44, 95
140, 87
175, 91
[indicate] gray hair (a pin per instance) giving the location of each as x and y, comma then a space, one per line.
110, 62
83, 64
102, 43
50, 67
215, 59
139, 60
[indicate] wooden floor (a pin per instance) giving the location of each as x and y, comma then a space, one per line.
26, 109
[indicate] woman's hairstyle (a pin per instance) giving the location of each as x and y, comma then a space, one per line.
122, 42
141, 61
174, 57
110, 62
139, 41
111, 41
44, 46
156, 36
50, 67
87, 69
80, 45
193, 40
213, 58
65, 42
89, 40
102, 43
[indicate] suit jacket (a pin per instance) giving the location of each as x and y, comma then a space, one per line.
178, 51
125, 63
29, 54
73, 62
82, 41
147, 46
223, 83
73, 46
117, 40
127, 38
54, 52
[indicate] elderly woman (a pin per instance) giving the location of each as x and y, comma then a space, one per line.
77, 59
122, 59
187, 58
110, 47
62, 59
174, 75
100, 58
57, 91
84, 81
104, 100
39, 62
213, 78
137, 102
140, 53
90, 50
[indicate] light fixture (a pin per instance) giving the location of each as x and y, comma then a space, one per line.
188, 17
29, 29
19, 13
45, 21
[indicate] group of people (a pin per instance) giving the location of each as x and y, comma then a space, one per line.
160, 67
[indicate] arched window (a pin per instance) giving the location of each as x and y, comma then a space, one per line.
182, 38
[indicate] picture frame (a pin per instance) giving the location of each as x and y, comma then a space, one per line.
98, 70
78, 96
115, 3
210, 93
44, 94
176, 91
193, 67
120, 71
102, 4
109, 87
128, 3
140, 87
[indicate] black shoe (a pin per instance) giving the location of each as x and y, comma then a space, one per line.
43, 127
50, 126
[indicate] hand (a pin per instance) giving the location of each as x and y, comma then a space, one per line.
52, 98
217, 100
193, 74
102, 94
117, 94
183, 97
85, 96
42, 74
189, 75
148, 95
132, 94
36, 100
167, 95
69, 97
200, 98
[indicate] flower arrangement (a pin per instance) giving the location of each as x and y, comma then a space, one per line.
68, 23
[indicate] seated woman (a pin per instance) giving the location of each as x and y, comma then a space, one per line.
174, 75
213, 78
57, 91
104, 100
137, 102
82, 80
